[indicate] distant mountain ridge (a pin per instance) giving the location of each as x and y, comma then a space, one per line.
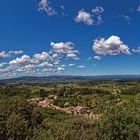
68, 78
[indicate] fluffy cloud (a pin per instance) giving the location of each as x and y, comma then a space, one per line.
61, 69
39, 63
3, 54
72, 56
46, 64
45, 6
21, 60
42, 56
93, 18
55, 55
57, 62
66, 48
97, 58
27, 68
111, 46
84, 17
136, 50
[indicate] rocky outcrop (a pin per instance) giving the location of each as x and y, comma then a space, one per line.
78, 110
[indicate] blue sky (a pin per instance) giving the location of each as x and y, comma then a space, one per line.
53, 37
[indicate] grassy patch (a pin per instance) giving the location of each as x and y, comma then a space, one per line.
129, 98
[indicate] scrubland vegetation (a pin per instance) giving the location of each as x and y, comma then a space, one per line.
99, 110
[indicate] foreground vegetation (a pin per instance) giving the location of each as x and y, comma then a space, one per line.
47, 111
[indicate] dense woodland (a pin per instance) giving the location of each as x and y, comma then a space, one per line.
98, 110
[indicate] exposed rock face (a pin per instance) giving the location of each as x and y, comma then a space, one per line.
78, 110
66, 104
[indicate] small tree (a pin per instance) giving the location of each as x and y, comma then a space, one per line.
43, 93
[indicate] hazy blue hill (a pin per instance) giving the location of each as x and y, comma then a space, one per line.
68, 78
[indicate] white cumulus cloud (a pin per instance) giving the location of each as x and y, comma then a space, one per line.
84, 17
50, 61
72, 56
111, 46
21, 60
46, 64
64, 47
90, 18
42, 56
3, 54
